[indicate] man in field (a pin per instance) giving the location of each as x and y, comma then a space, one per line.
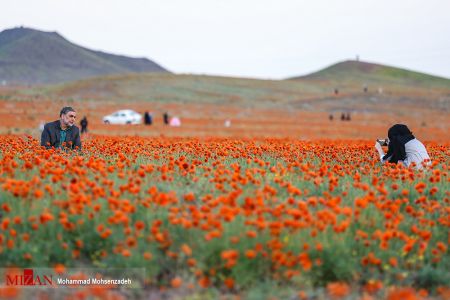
62, 133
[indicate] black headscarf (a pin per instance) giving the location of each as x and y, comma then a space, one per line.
399, 135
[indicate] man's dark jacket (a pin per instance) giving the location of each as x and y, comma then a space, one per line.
52, 135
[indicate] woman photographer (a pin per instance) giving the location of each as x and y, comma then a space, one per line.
403, 147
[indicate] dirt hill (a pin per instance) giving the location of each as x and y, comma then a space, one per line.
363, 73
29, 56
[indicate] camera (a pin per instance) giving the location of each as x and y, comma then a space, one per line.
383, 142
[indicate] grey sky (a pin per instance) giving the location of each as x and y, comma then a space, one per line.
250, 38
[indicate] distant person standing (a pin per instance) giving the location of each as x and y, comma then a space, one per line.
148, 118
84, 125
62, 133
330, 117
166, 118
175, 121
380, 90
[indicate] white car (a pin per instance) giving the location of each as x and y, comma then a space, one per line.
126, 116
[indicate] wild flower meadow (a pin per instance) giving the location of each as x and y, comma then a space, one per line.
231, 217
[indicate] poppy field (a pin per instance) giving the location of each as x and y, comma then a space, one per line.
230, 217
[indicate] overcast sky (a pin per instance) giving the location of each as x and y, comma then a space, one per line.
250, 38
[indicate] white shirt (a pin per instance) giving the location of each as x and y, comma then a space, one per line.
415, 152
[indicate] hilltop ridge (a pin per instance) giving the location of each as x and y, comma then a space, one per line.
370, 73
29, 56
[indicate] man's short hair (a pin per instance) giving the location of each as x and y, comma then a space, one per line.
65, 110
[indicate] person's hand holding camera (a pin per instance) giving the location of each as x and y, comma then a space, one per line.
378, 145
383, 142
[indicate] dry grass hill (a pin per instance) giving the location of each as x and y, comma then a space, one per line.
29, 56
376, 96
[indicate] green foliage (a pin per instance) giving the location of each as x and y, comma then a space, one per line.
430, 278
334, 254
337, 264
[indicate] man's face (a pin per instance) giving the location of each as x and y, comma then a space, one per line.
69, 118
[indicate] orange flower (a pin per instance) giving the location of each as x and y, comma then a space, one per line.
373, 286
338, 289
126, 253
139, 225
393, 262
176, 282
189, 197
186, 249
191, 262
204, 282
79, 244
319, 247
229, 282
59, 268
147, 256
46, 217
9, 292
402, 294
234, 239
38, 194
6, 207
251, 234
250, 253
229, 254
